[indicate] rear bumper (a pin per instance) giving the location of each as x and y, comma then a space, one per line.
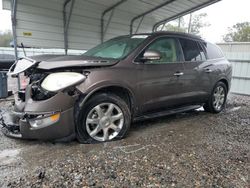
17, 122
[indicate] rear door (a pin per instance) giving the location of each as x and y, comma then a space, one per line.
194, 56
212, 68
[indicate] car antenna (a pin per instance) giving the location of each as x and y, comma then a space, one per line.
23, 49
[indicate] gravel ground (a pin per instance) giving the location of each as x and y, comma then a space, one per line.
194, 149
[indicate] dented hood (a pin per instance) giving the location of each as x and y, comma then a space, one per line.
50, 62
75, 61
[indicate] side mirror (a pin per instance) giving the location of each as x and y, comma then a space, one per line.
150, 55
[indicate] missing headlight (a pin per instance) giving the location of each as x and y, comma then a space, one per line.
39, 94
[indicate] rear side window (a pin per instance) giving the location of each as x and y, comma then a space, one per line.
213, 51
202, 52
191, 50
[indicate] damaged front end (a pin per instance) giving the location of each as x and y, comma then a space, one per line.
44, 110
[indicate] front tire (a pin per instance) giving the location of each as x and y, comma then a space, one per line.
104, 117
217, 100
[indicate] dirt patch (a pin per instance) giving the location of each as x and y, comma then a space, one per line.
194, 149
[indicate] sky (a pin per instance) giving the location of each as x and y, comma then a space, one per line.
5, 19
221, 15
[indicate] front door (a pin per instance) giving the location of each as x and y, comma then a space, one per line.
161, 80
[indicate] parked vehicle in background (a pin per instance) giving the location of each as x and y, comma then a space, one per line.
96, 96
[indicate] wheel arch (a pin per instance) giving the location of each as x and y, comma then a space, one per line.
223, 80
121, 91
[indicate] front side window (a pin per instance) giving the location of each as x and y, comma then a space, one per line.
191, 50
167, 48
117, 48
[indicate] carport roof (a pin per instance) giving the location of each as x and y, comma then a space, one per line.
82, 24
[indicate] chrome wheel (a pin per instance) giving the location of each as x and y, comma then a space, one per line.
219, 97
104, 122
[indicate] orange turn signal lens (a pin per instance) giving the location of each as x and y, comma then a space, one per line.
55, 117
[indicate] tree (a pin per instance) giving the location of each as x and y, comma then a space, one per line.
177, 25
5, 38
170, 27
240, 32
197, 23
193, 26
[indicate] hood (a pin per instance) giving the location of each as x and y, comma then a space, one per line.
39, 58
74, 61
50, 62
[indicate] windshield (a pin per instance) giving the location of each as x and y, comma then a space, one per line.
117, 48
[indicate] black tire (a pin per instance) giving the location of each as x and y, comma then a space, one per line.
81, 113
209, 106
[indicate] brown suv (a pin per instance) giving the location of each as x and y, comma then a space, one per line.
95, 96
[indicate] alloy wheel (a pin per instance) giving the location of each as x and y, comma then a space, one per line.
219, 97
104, 122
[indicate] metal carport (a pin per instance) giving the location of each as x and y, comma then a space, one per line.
82, 24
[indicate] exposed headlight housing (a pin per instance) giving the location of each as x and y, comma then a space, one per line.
61, 80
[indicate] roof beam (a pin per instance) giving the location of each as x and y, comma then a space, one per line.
198, 7
139, 25
66, 22
148, 12
13, 20
111, 8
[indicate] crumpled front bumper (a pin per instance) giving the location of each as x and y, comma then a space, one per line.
16, 122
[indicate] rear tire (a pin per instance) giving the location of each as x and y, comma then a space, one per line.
217, 100
104, 117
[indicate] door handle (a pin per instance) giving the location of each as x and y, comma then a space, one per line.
178, 74
208, 70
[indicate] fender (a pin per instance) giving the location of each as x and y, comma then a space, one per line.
88, 92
